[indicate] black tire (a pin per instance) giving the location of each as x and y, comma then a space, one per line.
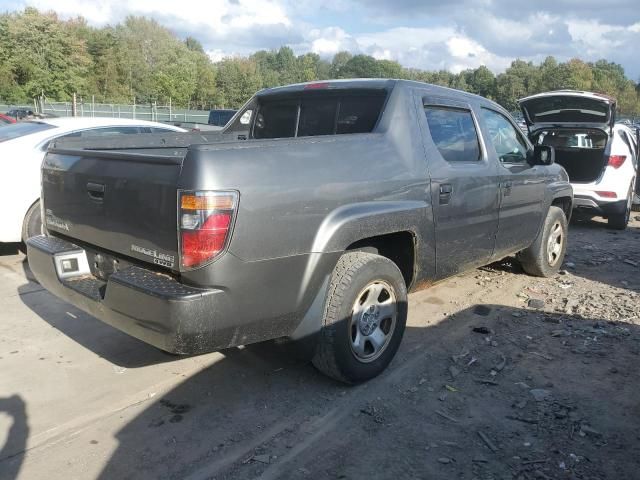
536, 260
32, 224
619, 221
355, 275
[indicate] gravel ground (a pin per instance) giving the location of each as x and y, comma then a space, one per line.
500, 376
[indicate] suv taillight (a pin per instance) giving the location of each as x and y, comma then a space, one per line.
206, 220
616, 161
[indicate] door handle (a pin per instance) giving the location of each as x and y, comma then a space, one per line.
506, 188
95, 191
445, 193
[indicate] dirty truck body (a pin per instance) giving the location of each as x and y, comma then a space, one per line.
285, 211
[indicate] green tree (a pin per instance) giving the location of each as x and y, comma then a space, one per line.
340, 59
237, 79
39, 53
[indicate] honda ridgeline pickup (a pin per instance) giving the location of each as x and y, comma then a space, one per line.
309, 218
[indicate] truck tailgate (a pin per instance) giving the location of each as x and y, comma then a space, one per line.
122, 202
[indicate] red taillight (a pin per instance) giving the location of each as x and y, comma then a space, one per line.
616, 161
205, 224
607, 194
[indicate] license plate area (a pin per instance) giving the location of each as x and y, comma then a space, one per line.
71, 264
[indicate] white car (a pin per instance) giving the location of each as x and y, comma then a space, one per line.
599, 155
22, 148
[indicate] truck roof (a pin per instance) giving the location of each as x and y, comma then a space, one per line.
370, 83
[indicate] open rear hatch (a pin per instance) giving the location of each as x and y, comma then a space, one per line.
121, 201
581, 151
568, 108
577, 124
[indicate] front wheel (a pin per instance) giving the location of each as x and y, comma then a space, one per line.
364, 320
546, 254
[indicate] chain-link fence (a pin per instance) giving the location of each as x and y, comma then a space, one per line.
153, 112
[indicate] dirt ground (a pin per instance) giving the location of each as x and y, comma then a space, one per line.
500, 376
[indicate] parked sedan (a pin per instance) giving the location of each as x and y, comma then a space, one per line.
600, 156
22, 148
6, 119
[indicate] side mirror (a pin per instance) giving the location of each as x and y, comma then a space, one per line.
542, 155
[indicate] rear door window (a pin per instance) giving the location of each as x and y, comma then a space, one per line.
627, 140
454, 133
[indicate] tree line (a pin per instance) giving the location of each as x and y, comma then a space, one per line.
41, 54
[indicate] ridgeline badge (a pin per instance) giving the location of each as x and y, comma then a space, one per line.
159, 258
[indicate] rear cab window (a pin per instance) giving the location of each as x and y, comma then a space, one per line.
454, 133
316, 113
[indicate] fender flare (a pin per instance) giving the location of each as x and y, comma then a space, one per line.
341, 228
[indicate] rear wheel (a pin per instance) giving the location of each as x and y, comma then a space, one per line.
364, 320
546, 254
619, 221
32, 224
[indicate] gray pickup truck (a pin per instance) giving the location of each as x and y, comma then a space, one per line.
309, 218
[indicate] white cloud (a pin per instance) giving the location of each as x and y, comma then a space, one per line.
329, 41
428, 48
459, 35
224, 16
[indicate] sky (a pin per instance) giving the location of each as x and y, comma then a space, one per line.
426, 34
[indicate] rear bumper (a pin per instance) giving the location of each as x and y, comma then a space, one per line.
152, 307
599, 207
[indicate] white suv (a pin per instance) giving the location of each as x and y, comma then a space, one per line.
600, 156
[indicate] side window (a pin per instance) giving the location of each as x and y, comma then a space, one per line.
454, 133
507, 141
162, 130
628, 141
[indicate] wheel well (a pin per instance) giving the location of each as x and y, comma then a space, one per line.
398, 247
565, 204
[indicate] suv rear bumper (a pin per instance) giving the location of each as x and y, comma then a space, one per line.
599, 207
152, 307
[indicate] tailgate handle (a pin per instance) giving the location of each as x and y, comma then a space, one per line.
95, 191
